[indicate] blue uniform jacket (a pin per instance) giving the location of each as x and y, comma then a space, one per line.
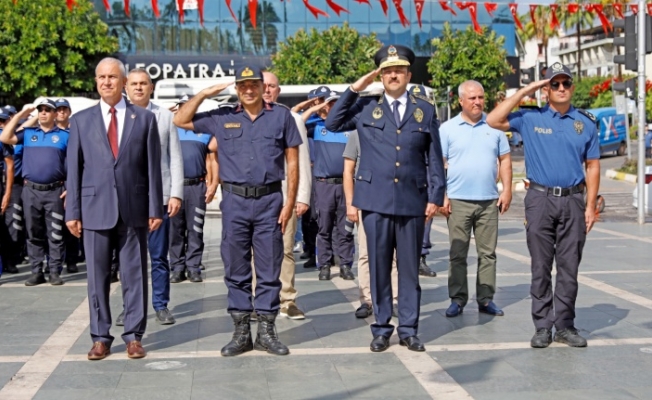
393, 174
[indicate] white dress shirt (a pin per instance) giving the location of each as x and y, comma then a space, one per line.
120, 111
402, 103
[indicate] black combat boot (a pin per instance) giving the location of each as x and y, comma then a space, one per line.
241, 341
267, 339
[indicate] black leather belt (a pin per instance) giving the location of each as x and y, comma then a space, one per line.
43, 187
193, 181
336, 181
252, 191
557, 191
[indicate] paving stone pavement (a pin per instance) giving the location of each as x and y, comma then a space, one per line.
44, 337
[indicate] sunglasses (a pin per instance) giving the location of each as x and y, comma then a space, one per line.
45, 109
555, 84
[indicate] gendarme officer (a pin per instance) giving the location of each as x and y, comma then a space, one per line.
560, 140
398, 132
254, 139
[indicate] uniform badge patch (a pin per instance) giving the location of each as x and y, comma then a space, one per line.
324, 132
378, 113
55, 139
232, 125
579, 127
418, 115
34, 138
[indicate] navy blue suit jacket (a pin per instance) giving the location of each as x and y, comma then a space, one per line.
102, 189
394, 160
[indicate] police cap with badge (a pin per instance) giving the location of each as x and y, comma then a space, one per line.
248, 73
62, 103
394, 55
557, 69
46, 103
322, 92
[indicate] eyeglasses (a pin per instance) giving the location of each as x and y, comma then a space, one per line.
45, 109
555, 84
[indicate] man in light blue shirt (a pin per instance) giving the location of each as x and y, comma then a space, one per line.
475, 154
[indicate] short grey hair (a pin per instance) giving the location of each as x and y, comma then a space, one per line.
465, 84
112, 60
141, 71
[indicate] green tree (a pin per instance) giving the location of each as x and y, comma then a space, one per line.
540, 31
579, 21
47, 50
337, 55
460, 56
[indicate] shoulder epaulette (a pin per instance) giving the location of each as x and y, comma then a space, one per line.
424, 98
587, 114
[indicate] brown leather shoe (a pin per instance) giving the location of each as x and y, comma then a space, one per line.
99, 351
135, 349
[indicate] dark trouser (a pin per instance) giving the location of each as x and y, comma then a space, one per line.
556, 231
44, 225
159, 243
384, 234
13, 238
247, 223
72, 247
331, 214
426, 245
480, 217
187, 230
309, 225
131, 245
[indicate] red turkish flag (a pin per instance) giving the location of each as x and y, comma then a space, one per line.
445, 7
253, 9
418, 5
363, 2
157, 13
228, 5
619, 10
314, 10
473, 11
649, 8
513, 7
180, 7
533, 9
107, 6
127, 10
573, 8
491, 8
597, 8
200, 10
336, 7
634, 8
554, 22
383, 5
401, 14
70, 4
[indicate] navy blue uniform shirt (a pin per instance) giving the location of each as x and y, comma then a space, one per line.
250, 153
44, 154
194, 148
556, 145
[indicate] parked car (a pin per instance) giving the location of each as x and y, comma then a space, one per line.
612, 130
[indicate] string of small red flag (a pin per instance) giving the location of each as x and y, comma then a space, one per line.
446, 5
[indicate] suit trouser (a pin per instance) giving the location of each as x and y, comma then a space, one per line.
288, 291
43, 211
386, 233
363, 267
555, 231
187, 230
252, 223
480, 217
331, 214
131, 246
158, 243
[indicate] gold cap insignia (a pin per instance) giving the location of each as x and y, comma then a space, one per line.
416, 90
247, 72
579, 127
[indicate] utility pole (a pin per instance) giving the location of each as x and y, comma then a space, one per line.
641, 110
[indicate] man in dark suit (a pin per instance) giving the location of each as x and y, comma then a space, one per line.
115, 193
398, 135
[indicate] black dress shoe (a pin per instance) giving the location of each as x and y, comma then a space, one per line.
380, 343
120, 321
164, 317
541, 339
571, 337
195, 277
325, 273
364, 311
424, 269
311, 263
35, 279
71, 268
177, 277
413, 343
346, 273
55, 279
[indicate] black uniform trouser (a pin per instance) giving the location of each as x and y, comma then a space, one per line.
44, 224
13, 236
187, 230
556, 231
331, 215
309, 226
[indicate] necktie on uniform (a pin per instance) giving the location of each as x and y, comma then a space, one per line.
397, 116
113, 132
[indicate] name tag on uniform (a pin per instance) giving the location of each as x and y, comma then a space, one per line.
544, 131
232, 125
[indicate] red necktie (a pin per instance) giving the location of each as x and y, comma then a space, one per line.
113, 133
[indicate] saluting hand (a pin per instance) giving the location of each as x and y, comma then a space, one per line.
216, 89
362, 83
305, 104
534, 86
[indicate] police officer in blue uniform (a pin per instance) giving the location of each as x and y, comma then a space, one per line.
398, 133
330, 203
187, 227
6, 183
44, 173
559, 140
254, 139
14, 240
